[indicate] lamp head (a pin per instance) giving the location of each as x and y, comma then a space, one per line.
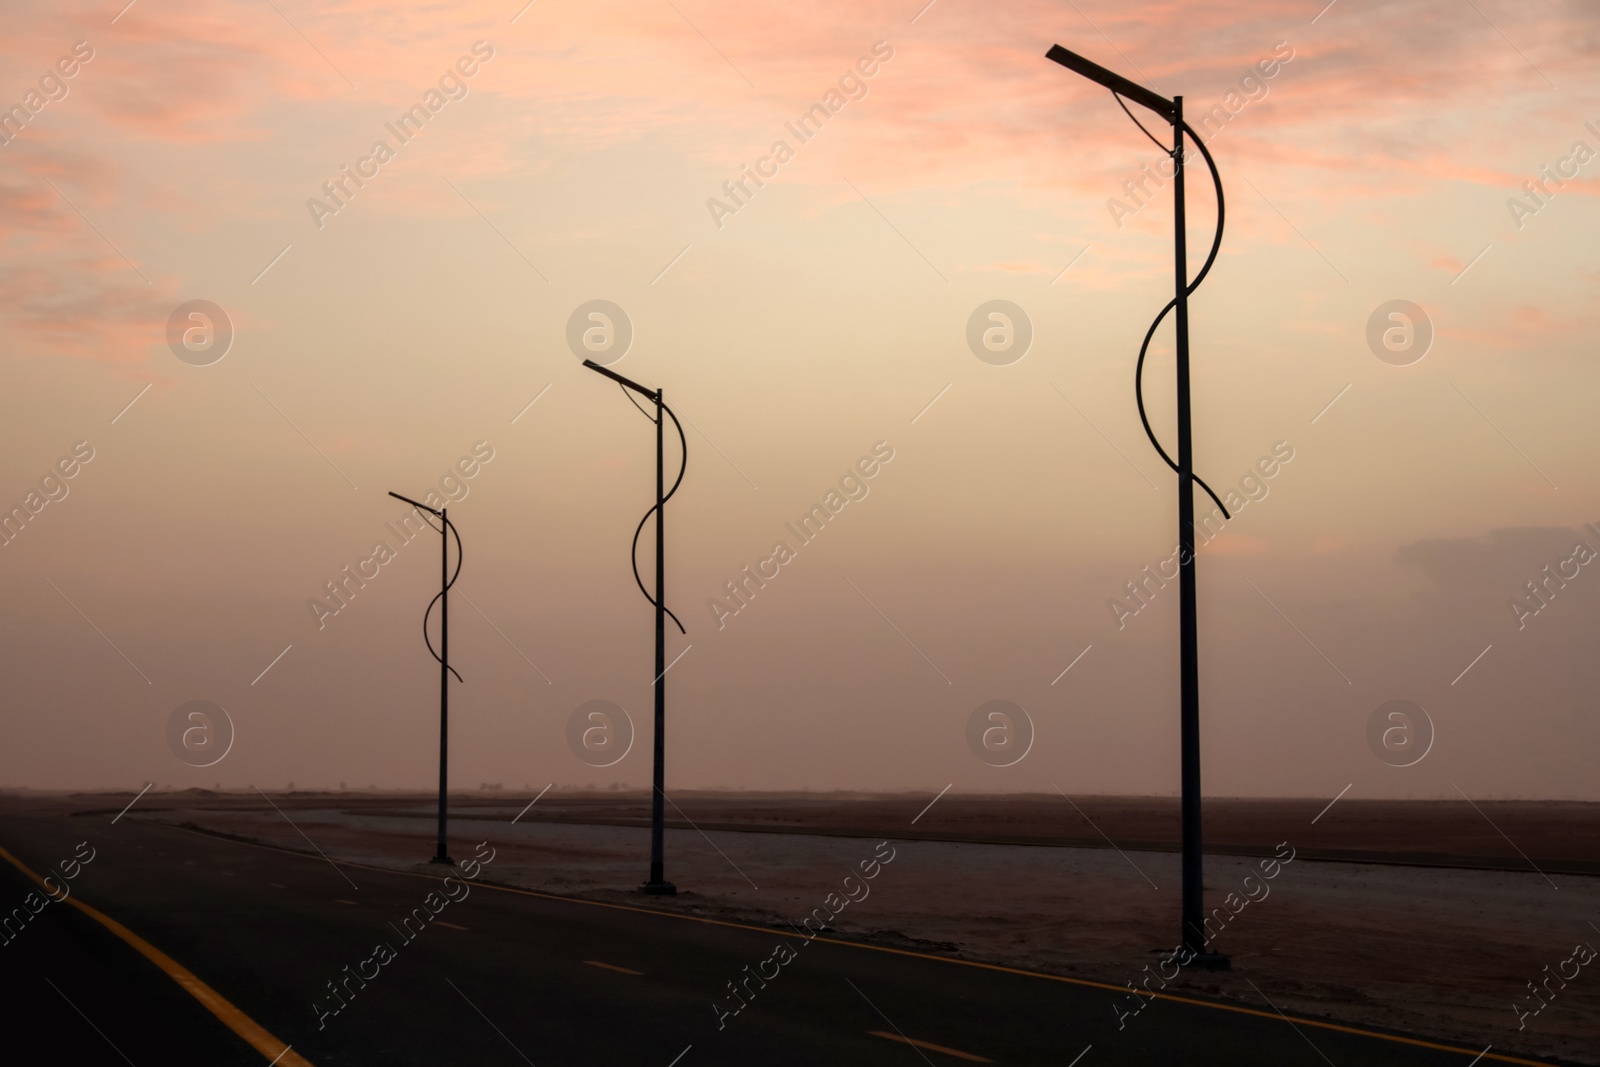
415, 504
1113, 81
649, 394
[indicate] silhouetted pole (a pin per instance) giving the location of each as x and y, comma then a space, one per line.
443, 853
657, 883
1194, 906
446, 580
1193, 887
659, 774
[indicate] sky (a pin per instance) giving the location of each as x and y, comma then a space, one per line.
408, 330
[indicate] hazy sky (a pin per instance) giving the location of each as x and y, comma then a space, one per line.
575, 152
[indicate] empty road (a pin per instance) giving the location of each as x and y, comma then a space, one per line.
247, 950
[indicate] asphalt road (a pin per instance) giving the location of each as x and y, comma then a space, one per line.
502, 977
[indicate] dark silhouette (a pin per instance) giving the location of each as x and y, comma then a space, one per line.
657, 884
446, 580
1194, 933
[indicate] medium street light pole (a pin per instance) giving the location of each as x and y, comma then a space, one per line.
657, 884
658, 773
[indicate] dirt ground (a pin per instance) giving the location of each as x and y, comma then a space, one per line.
1425, 917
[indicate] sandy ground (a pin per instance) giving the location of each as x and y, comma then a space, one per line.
1556, 834
1433, 951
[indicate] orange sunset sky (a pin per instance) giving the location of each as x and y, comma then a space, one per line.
574, 152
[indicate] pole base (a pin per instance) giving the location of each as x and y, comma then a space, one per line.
1210, 961
659, 889
446, 860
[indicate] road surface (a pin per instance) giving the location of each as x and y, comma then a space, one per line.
265, 949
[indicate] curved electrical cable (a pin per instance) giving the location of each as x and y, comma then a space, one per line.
437, 596
683, 443
1144, 348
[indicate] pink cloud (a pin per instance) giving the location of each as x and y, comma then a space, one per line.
1370, 108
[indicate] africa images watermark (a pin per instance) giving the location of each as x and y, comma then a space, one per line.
852, 486
453, 485
1253, 485
12, 925
415, 921
852, 85
52, 87
1252, 88
53, 487
452, 86
1582, 955
1183, 955
1540, 591
814, 924
1557, 174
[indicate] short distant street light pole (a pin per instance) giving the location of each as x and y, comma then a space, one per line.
446, 580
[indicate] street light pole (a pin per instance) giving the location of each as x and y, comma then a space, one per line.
1193, 886
1194, 935
446, 580
442, 853
659, 759
657, 884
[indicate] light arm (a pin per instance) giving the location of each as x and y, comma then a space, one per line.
1113, 81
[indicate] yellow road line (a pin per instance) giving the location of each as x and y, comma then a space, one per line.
247, 1028
930, 1046
612, 967
1237, 1009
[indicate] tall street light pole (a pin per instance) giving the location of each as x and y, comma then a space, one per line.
446, 580
657, 884
1194, 932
